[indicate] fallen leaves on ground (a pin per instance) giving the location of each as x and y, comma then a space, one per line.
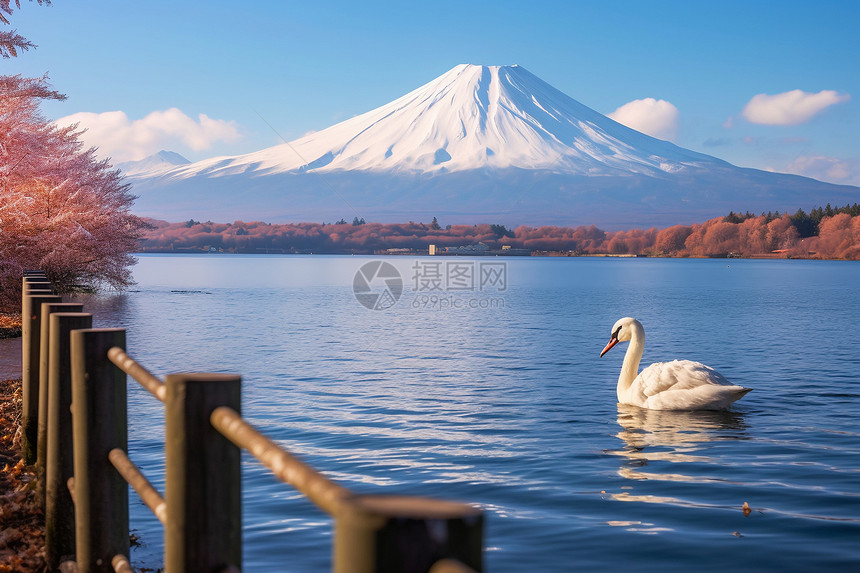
10, 325
22, 524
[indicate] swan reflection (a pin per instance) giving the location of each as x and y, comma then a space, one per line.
672, 436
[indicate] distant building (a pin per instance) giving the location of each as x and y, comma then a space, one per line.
474, 249
483, 250
432, 249
400, 251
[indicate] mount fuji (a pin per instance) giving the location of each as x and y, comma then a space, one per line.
477, 144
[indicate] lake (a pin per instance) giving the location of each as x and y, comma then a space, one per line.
478, 380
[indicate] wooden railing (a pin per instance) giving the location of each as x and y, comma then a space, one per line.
75, 429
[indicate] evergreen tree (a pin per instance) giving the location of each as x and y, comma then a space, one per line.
501, 231
805, 224
733, 217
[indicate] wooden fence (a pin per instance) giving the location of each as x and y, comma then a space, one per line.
75, 429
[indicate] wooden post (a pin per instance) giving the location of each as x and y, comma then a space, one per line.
99, 418
203, 532
44, 364
59, 508
31, 321
393, 534
31, 284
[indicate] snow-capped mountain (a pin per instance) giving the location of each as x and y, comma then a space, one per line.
155, 163
477, 144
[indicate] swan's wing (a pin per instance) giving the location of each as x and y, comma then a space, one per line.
678, 375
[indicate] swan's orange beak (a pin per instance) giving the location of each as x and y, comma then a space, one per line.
612, 342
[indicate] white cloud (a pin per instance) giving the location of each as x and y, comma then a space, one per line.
830, 169
790, 108
655, 117
123, 139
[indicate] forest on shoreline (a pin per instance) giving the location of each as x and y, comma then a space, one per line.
824, 232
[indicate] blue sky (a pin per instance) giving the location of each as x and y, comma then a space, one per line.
193, 76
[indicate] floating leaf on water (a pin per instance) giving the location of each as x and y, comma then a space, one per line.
746, 509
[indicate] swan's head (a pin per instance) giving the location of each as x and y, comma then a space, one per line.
622, 331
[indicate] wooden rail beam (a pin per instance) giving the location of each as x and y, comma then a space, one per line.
138, 482
140, 374
323, 492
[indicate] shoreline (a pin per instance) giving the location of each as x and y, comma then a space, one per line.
542, 254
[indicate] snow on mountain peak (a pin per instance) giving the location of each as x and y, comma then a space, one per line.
478, 143
157, 162
471, 117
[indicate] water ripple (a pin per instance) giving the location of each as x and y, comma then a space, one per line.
512, 410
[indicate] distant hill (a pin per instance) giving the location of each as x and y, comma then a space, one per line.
155, 163
479, 143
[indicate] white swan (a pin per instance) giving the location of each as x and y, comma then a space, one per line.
676, 385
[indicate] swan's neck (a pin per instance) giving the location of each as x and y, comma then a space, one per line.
630, 367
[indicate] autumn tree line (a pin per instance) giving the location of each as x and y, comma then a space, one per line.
824, 232
68, 213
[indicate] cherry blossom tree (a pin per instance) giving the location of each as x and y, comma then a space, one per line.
10, 41
61, 209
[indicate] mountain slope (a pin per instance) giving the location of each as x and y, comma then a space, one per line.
477, 142
155, 163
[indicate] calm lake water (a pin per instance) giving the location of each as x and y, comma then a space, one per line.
482, 383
